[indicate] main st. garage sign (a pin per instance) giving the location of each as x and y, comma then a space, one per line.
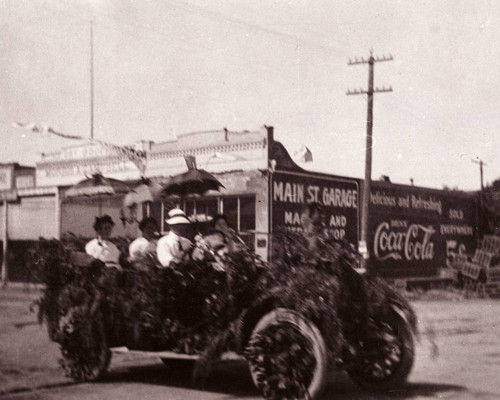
291, 192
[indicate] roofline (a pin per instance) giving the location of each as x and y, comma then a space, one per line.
382, 184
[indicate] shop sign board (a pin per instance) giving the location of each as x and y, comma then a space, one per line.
291, 192
414, 231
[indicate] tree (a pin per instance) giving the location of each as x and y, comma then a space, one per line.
491, 208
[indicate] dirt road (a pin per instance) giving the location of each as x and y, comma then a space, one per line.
458, 357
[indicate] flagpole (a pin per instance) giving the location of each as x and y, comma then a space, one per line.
91, 79
5, 278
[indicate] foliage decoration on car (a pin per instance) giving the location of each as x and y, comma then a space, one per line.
199, 309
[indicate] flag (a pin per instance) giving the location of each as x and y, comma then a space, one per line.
31, 126
43, 129
303, 155
190, 161
63, 135
136, 156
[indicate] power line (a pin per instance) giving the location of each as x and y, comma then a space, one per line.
217, 17
186, 46
241, 24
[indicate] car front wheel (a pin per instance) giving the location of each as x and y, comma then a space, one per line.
287, 356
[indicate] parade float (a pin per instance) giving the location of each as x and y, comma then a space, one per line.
292, 319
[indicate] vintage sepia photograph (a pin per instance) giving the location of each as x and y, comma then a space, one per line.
234, 199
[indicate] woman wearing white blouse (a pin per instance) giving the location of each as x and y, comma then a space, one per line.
100, 247
144, 246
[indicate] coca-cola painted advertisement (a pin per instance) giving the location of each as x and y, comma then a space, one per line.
291, 192
415, 231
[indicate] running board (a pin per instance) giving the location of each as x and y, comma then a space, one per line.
171, 354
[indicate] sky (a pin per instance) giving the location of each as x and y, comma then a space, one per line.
167, 67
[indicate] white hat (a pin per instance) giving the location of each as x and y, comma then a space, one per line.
176, 217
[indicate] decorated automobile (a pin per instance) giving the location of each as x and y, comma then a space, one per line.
292, 319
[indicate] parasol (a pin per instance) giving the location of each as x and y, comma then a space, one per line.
97, 186
146, 191
194, 181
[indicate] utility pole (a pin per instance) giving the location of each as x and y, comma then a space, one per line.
91, 79
480, 217
481, 163
363, 248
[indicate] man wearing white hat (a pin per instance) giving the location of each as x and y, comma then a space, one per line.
175, 246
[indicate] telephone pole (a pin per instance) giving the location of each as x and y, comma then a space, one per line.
481, 163
481, 215
369, 144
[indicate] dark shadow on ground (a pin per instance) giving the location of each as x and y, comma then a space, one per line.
343, 388
233, 378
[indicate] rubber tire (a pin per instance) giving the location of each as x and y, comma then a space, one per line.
399, 378
310, 332
104, 357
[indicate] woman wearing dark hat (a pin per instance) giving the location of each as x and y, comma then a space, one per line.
101, 248
144, 246
177, 244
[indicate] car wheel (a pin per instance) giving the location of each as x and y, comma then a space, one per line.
287, 356
384, 361
89, 361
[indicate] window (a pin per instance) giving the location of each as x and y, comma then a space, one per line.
244, 214
239, 210
230, 210
247, 213
206, 209
189, 208
154, 211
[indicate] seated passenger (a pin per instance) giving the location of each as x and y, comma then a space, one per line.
101, 248
231, 240
145, 246
176, 245
312, 225
220, 241
216, 238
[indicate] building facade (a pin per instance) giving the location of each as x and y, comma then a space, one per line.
412, 231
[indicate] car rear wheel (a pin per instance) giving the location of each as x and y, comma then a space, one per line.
385, 360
